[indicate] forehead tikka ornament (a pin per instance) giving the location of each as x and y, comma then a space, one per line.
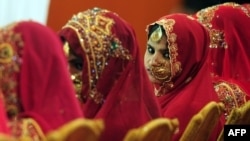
156, 35
98, 42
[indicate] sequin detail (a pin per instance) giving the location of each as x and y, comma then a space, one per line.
246, 9
10, 62
205, 16
231, 95
217, 38
97, 41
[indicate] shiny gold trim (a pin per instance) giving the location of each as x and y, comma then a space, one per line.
94, 31
6, 53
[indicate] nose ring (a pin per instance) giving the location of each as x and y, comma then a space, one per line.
160, 72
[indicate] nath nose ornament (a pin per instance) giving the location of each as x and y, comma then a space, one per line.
160, 72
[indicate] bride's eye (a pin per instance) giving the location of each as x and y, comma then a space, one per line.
76, 63
166, 55
151, 50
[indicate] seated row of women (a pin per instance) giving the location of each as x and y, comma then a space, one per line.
190, 61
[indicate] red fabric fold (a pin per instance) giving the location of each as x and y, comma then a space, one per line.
128, 95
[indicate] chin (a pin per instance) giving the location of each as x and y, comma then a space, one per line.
153, 80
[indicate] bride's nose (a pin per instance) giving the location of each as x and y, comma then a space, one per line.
155, 60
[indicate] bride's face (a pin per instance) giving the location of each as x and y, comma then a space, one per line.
75, 64
157, 61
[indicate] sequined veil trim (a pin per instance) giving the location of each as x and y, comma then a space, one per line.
231, 95
205, 16
10, 62
99, 44
246, 9
11, 49
217, 37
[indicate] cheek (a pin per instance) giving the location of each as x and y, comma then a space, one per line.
147, 58
169, 66
166, 63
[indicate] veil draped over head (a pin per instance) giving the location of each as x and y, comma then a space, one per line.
34, 76
115, 85
192, 88
229, 57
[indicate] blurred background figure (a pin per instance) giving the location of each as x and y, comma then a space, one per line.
37, 91
104, 58
183, 85
229, 51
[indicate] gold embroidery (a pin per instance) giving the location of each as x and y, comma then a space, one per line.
246, 8
97, 41
230, 94
205, 16
6, 53
10, 62
217, 38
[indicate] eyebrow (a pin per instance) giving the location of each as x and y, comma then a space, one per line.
148, 45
